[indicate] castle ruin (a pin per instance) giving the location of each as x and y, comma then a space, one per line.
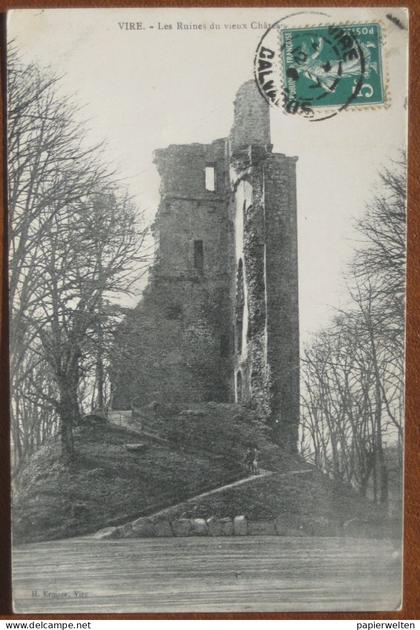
219, 318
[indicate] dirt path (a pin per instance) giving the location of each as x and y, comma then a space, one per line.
240, 482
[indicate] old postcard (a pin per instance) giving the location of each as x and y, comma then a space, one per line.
207, 228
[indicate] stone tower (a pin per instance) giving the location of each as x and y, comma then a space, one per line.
251, 118
221, 309
191, 274
264, 286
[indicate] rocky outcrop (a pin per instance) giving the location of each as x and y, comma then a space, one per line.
182, 527
240, 526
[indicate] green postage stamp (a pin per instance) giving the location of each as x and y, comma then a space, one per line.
322, 68
333, 65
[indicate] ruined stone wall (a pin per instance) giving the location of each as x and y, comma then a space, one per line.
189, 212
250, 361
282, 295
251, 118
266, 242
266, 362
186, 313
219, 320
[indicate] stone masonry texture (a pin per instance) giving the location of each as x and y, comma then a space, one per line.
219, 318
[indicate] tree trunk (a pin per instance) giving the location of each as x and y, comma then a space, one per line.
382, 468
68, 411
383, 477
370, 465
100, 381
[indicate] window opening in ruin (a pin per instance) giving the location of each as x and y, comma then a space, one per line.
210, 178
198, 255
224, 346
239, 306
238, 386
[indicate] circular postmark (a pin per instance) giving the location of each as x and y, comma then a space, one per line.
318, 71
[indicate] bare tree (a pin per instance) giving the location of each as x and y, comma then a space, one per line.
75, 245
33, 410
380, 258
353, 372
47, 169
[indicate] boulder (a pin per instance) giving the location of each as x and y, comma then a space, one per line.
214, 526
181, 527
226, 526
163, 528
240, 526
142, 528
106, 533
199, 527
261, 528
280, 527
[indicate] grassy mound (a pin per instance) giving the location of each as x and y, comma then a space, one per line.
108, 484
221, 429
306, 503
183, 453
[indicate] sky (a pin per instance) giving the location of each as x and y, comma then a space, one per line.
147, 88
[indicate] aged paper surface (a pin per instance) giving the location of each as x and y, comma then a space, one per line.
207, 263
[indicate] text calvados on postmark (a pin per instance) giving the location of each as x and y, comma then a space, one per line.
318, 71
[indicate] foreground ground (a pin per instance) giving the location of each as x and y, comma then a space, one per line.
207, 574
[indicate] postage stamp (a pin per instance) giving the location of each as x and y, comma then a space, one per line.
318, 71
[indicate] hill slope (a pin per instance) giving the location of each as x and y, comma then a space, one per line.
191, 452
108, 484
